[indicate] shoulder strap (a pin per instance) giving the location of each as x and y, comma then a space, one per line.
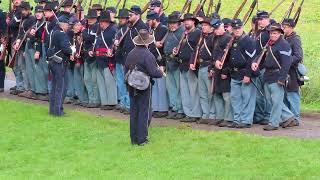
274, 57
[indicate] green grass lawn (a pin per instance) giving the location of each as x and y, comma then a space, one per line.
34, 145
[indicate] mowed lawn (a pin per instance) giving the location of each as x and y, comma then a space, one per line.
34, 145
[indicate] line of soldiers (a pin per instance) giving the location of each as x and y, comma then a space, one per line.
216, 74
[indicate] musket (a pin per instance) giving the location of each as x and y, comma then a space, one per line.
145, 7
90, 4
185, 6
199, 7
264, 50
277, 6
184, 35
197, 50
226, 51
218, 7
118, 3
298, 12
105, 5
249, 12
124, 4
235, 16
288, 12
78, 9
209, 8
189, 6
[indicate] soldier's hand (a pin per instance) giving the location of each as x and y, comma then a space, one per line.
33, 32
162, 68
254, 66
246, 80
218, 64
158, 44
77, 55
116, 42
210, 73
37, 55
72, 58
281, 83
192, 67
175, 51
8, 20
90, 53
16, 46
224, 76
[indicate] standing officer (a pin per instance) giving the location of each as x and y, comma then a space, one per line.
123, 95
140, 100
160, 105
175, 33
90, 65
221, 85
292, 95
103, 52
27, 21
188, 79
277, 65
243, 93
58, 53
204, 57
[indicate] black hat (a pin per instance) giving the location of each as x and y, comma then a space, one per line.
236, 23
135, 9
176, 13
105, 16
272, 21
112, 9
262, 14
215, 15
143, 38
289, 22
227, 21
200, 14
67, 3
63, 19
206, 20
254, 19
38, 9
276, 27
155, 3
151, 15
42, 1
25, 5
173, 18
123, 13
189, 16
97, 7
92, 13
215, 23
50, 6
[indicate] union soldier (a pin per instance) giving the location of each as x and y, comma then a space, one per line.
78, 72
243, 93
156, 6
188, 79
13, 21
58, 53
175, 33
102, 50
135, 24
227, 24
37, 67
262, 110
292, 95
123, 95
27, 21
204, 58
113, 12
98, 8
277, 65
140, 100
221, 84
160, 105
90, 65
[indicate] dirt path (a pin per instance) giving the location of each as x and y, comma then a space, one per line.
309, 128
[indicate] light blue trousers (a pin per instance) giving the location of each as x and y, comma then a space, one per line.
159, 95
123, 94
80, 88
206, 96
223, 106
190, 94
243, 101
90, 80
279, 111
292, 100
173, 90
107, 87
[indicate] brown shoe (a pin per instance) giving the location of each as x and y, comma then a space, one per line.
23, 94
287, 122
270, 128
203, 121
225, 124
294, 123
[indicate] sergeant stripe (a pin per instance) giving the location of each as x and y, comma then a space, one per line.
286, 53
250, 55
